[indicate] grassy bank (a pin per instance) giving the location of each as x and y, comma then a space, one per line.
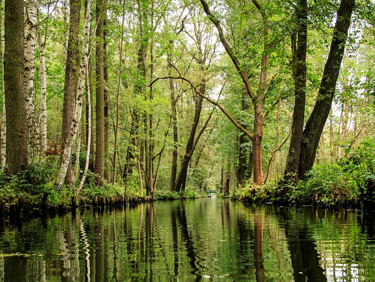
350, 182
33, 192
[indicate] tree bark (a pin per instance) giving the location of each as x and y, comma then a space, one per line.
106, 98
319, 115
16, 138
29, 66
116, 155
173, 119
181, 180
71, 76
43, 94
243, 150
88, 146
79, 100
299, 49
3, 115
100, 146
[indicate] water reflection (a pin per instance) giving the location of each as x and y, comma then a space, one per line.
197, 240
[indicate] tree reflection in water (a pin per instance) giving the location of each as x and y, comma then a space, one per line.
195, 240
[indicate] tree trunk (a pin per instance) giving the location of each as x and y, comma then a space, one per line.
3, 115
257, 142
89, 130
299, 75
319, 115
79, 100
181, 180
16, 138
116, 155
174, 120
71, 76
29, 66
243, 151
43, 94
106, 99
100, 150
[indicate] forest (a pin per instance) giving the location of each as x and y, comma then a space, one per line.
266, 100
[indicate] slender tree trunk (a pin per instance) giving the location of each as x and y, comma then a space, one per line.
106, 98
299, 49
89, 130
16, 138
67, 17
100, 146
79, 100
257, 142
181, 180
3, 116
71, 76
319, 115
29, 66
116, 155
174, 120
243, 152
43, 94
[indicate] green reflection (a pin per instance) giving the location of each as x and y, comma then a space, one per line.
193, 240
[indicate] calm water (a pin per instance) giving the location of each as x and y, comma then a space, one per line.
194, 240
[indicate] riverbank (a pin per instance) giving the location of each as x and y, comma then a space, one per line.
22, 205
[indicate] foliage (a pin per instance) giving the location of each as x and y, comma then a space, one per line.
166, 195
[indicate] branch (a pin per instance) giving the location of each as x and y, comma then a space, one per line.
228, 49
208, 99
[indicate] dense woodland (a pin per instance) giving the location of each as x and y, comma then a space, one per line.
264, 98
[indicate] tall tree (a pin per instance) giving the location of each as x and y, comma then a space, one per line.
3, 115
315, 124
78, 101
258, 97
100, 144
71, 77
29, 66
299, 48
16, 138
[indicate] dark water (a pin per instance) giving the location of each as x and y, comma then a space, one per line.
194, 240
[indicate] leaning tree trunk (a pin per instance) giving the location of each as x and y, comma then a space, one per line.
79, 100
173, 101
315, 124
181, 180
299, 76
29, 66
16, 139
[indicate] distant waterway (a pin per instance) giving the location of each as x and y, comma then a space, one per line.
193, 240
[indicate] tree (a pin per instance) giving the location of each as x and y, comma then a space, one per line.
100, 145
299, 49
16, 139
315, 124
258, 97
71, 77
78, 102
29, 66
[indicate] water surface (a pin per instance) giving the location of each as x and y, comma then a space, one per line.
192, 240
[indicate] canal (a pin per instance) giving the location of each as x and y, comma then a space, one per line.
193, 240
